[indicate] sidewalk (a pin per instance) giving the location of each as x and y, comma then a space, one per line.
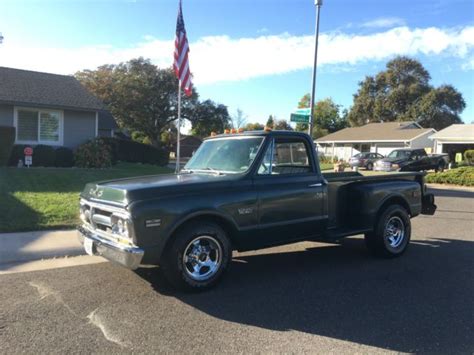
28, 246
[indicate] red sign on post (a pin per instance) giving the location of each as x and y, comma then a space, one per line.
28, 156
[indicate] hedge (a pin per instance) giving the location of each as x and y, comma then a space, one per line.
64, 158
93, 154
43, 155
460, 176
7, 138
469, 156
134, 152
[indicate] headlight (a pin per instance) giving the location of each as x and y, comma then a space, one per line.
395, 166
119, 226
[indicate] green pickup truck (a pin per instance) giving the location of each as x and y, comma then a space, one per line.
241, 192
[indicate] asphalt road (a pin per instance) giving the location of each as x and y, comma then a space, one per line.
306, 297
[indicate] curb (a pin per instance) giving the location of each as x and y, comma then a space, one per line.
450, 187
38, 245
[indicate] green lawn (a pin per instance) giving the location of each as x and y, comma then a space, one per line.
326, 166
48, 198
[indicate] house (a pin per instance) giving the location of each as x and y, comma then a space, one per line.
456, 138
376, 138
51, 109
187, 146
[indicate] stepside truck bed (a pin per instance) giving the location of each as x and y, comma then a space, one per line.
353, 198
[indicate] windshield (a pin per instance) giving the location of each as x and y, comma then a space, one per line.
399, 154
227, 155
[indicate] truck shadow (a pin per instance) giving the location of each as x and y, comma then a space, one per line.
421, 302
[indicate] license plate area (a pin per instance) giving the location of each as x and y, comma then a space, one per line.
89, 246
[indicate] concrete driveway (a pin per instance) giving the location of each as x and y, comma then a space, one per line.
306, 297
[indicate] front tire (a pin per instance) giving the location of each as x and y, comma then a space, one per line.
392, 233
198, 256
370, 166
440, 167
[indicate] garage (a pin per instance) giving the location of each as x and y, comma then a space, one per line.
454, 139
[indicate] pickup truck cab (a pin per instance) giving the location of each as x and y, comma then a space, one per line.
411, 160
243, 192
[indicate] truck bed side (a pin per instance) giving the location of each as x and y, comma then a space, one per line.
354, 200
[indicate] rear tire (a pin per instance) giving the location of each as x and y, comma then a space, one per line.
440, 167
197, 257
392, 233
370, 166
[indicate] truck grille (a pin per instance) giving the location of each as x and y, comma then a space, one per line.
98, 217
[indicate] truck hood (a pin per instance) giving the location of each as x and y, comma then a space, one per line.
124, 191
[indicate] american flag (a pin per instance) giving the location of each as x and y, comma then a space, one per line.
181, 50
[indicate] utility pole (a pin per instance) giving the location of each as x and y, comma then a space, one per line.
1, 38
318, 4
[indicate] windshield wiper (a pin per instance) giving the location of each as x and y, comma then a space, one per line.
207, 169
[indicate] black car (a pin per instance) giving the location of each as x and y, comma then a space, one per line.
411, 160
365, 160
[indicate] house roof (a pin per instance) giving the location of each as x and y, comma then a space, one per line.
460, 132
377, 132
24, 87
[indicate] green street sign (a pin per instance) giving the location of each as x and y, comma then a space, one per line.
300, 115
299, 118
303, 111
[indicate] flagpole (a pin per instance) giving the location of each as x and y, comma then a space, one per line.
318, 4
178, 153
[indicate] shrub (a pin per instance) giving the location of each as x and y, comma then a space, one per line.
134, 152
44, 155
469, 156
7, 138
93, 154
17, 154
460, 176
64, 157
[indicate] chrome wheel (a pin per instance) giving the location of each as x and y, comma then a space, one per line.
202, 258
395, 232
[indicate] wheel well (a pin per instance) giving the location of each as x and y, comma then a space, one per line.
226, 225
395, 200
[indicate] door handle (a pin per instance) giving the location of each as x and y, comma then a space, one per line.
316, 185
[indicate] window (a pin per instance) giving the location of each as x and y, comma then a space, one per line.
36, 126
227, 155
285, 157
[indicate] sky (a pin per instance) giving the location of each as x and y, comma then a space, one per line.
253, 55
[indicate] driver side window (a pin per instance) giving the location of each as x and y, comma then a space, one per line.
286, 156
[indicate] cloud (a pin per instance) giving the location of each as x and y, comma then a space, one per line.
384, 22
222, 58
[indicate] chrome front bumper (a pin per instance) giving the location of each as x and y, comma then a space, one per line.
124, 255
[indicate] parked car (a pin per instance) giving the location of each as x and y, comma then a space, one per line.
244, 192
365, 160
411, 160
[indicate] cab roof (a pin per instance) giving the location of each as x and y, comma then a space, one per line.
260, 134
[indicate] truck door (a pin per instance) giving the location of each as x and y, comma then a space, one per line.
291, 192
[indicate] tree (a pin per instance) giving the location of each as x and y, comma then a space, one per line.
254, 127
208, 117
439, 108
270, 122
305, 102
402, 92
239, 119
326, 119
282, 125
141, 97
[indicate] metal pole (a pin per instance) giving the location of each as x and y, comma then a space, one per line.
178, 153
318, 4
